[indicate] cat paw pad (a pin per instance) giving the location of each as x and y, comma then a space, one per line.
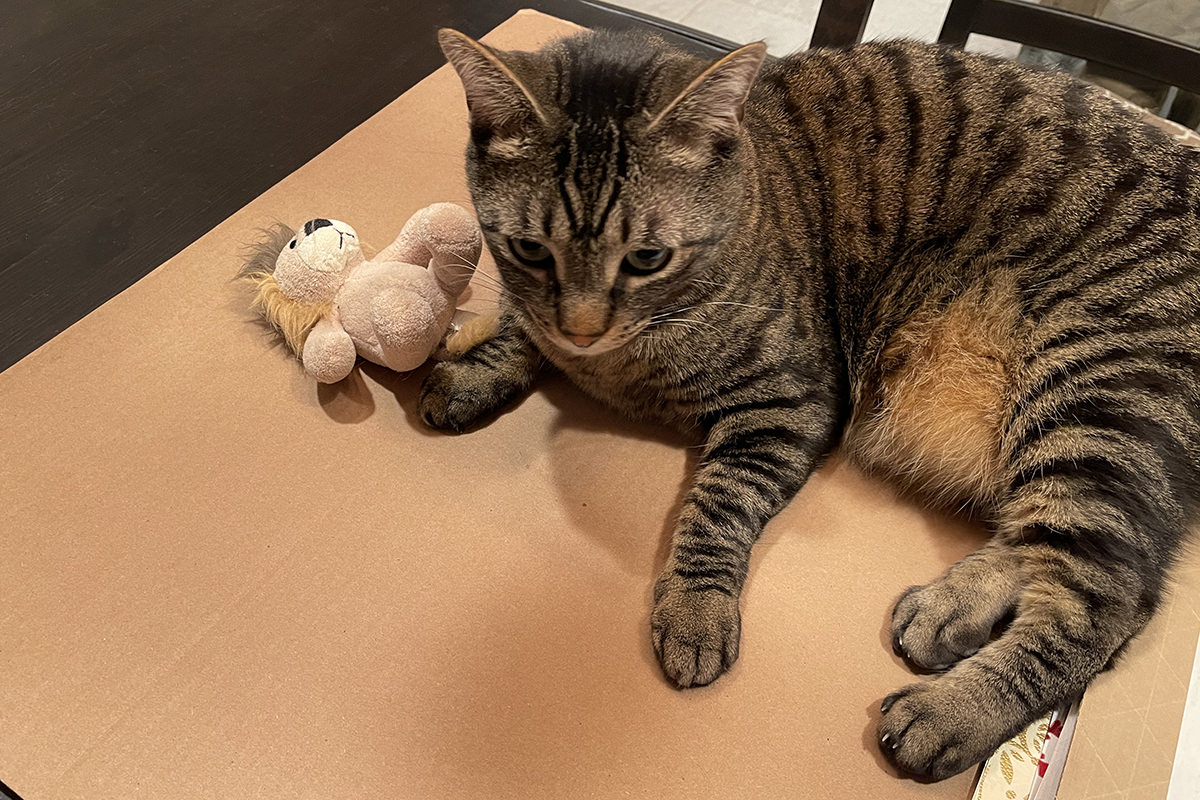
695, 634
929, 730
454, 399
935, 627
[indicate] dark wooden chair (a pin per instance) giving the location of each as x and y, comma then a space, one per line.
841, 22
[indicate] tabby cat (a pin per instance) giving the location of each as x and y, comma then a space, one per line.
979, 279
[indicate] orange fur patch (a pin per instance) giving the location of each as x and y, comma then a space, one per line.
940, 397
476, 330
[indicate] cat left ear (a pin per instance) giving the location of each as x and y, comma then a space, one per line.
714, 102
497, 99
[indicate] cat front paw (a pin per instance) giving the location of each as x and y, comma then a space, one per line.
695, 633
936, 626
459, 394
936, 728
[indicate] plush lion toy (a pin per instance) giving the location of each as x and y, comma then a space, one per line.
331, 305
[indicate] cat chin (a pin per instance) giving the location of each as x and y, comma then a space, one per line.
598, 348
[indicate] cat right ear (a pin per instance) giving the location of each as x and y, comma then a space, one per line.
712, 105
497, 99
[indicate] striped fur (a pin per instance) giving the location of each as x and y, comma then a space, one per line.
986, 275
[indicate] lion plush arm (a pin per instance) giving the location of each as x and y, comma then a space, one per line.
329, 353
443, 236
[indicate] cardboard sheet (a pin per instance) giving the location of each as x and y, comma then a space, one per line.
1125, 743
220, 579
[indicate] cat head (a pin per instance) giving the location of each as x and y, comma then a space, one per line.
606, 169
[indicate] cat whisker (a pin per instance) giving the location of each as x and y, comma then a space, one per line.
675, 315
489, 281
670, 313
690, 323
741, 305
695, 323
482, 279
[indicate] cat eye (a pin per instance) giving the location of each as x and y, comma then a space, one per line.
644, 262
531, 253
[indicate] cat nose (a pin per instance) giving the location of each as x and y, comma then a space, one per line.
581, 341
583, 319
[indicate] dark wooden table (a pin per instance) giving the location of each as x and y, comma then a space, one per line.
128, 128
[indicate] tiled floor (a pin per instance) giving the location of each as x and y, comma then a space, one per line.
786, 25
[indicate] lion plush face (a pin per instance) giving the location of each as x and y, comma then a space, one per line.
312, 266
297, 274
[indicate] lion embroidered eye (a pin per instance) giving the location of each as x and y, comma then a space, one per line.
645, 262
531, 253
292, 244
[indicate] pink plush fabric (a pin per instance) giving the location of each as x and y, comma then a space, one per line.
395, 308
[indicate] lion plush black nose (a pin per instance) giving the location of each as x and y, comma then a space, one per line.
315, 224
